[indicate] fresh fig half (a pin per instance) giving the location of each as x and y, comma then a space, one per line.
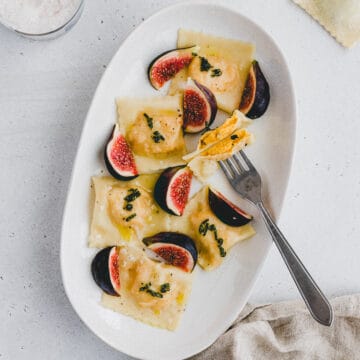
119, 158
226, 211
175, 248
200, 107
172, 189
256, 96
105, 270
165, 66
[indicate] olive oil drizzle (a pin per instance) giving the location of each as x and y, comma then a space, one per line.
204, 227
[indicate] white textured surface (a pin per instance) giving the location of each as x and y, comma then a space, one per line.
46, 88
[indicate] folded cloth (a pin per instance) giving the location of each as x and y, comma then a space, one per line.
286, 330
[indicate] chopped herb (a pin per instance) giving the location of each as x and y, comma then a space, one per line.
216, 72
212, 227
149, 120
165, 288
157, 137
132, 195
204, 64
233, 137
154, 293
222, 251
194, 54
130, 217
145, 287
204, 227
128, 207
159, 294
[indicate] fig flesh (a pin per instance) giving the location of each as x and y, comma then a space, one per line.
105, 270
174, 248
226, 211
165, 66
200, 107
256, 96
172, 189
119, 158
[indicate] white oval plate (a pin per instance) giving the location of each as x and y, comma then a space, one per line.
218, 296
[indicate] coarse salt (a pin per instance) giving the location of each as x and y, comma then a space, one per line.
37, 16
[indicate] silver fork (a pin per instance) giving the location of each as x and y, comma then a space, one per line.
245, 179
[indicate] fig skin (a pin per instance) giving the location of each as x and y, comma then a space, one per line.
226, 211
163, 186
256, 96
173, 238
100, 271
116, 173
205, 98
185, 57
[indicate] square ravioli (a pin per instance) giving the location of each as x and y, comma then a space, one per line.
152, 292
198, 216
341, 18
222, 65
153, 129
125, 211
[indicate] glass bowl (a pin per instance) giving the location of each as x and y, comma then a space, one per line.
61, 30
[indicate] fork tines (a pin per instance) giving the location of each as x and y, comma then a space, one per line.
236, 164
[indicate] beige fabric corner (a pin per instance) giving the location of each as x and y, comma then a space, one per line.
286, 331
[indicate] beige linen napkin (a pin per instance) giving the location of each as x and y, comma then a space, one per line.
286, 331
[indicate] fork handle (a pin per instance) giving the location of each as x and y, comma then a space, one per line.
315, 300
